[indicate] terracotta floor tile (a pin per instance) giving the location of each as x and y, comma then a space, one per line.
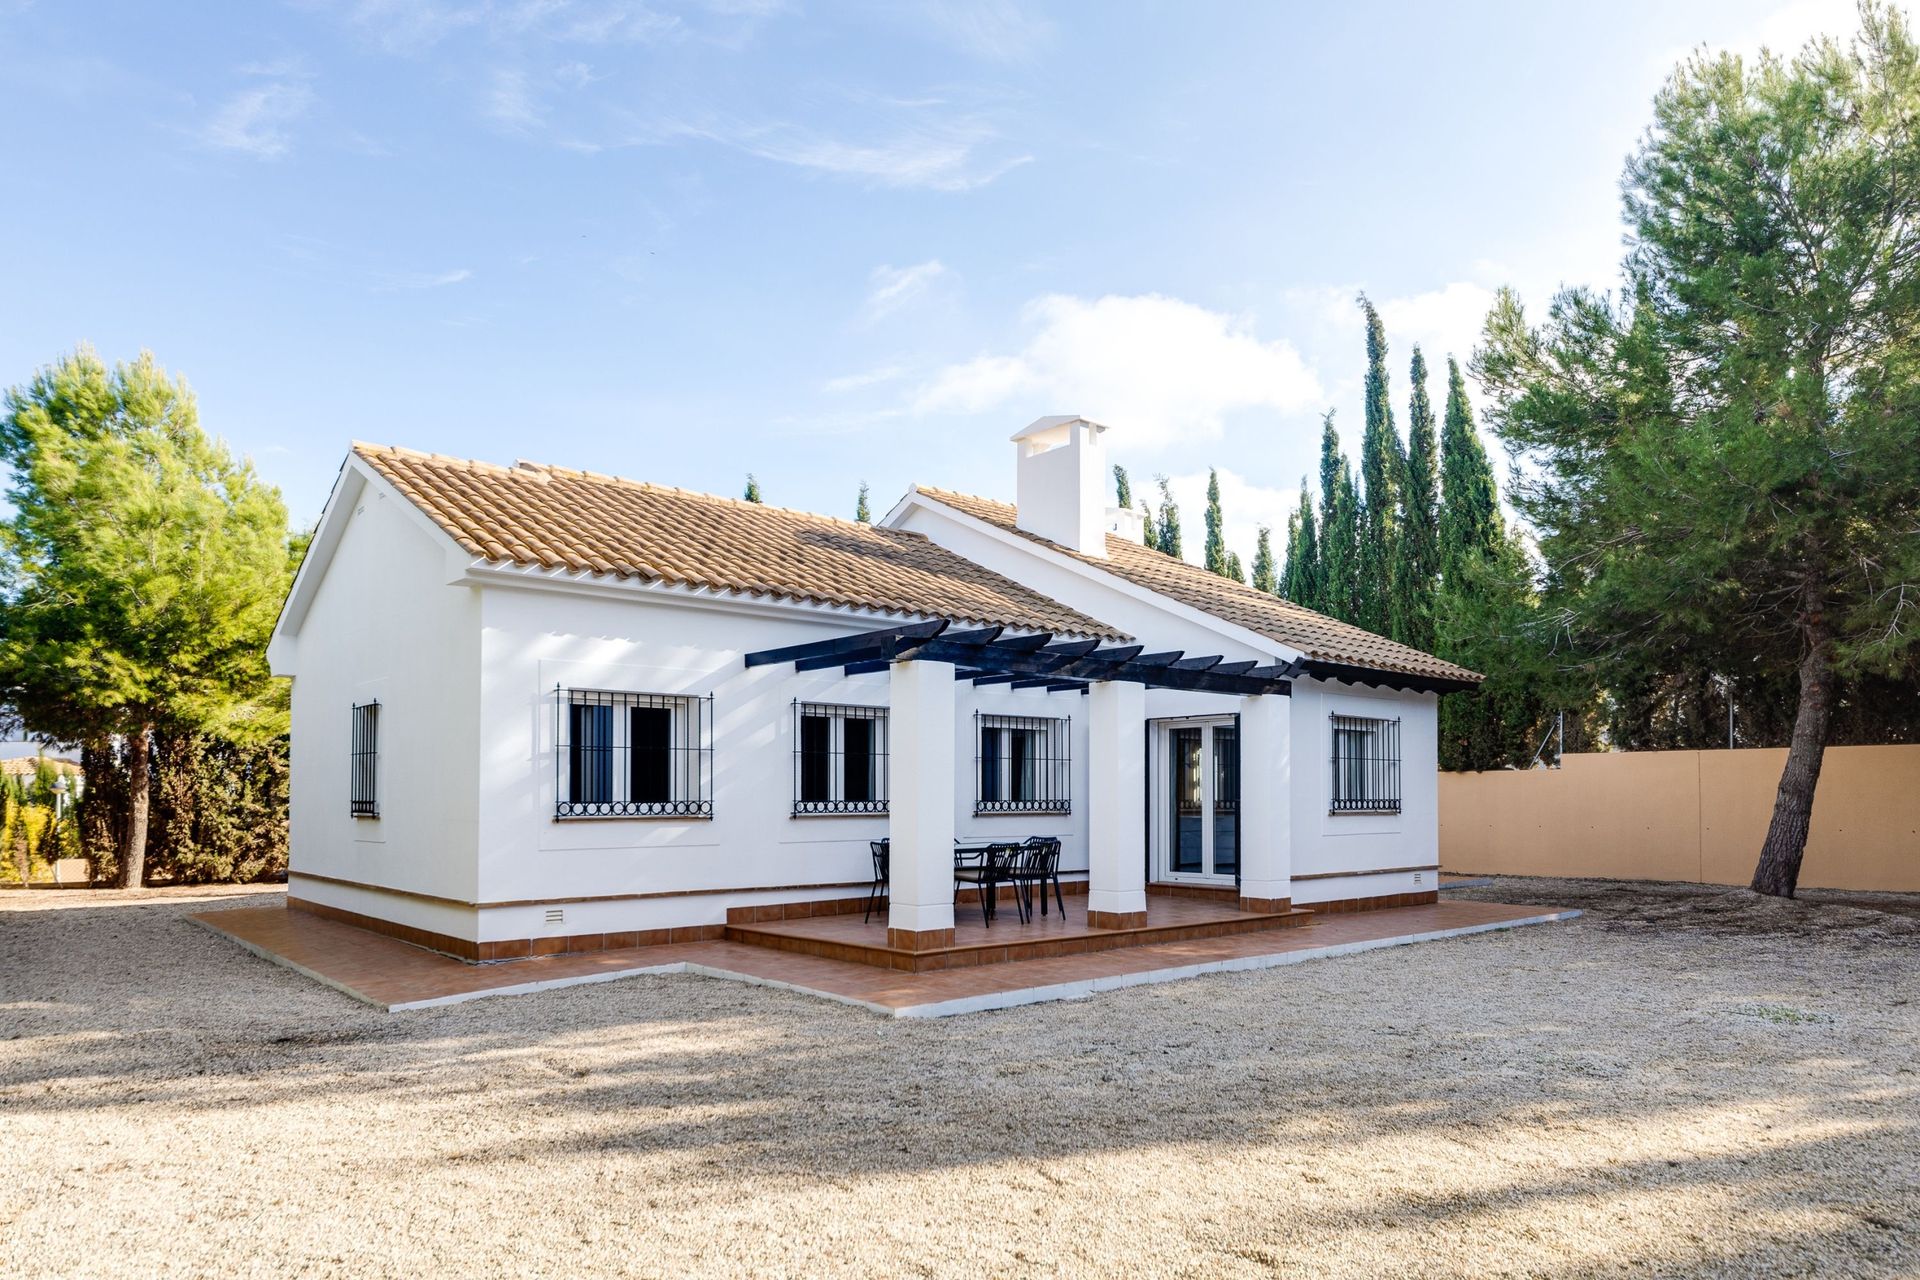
388, 972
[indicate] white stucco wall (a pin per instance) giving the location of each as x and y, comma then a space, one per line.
384, 625
1325, 842
533, 640
1321, 842
466, 674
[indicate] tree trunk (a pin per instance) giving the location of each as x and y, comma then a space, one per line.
1786, 842
133, 861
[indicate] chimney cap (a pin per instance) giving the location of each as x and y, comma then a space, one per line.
1040, 427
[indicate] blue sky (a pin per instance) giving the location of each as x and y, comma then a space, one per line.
824, 243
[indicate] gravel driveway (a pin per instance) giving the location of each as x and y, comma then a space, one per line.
1681, 1082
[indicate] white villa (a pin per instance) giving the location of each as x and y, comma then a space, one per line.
540, 710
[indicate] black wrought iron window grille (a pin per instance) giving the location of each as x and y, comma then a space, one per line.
1022, 764
1366, 765
632, 755
839, 759
363, 786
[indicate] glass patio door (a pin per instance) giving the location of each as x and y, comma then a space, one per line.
1201, 812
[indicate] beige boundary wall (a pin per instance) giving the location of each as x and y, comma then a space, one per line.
1685, 815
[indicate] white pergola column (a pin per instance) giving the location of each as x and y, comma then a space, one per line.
920, 805
1266, 777
1116, 805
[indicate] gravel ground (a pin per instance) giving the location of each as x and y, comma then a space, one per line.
1682, 1082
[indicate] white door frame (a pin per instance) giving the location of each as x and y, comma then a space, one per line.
1160, 798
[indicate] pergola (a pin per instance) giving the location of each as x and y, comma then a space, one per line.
924, 659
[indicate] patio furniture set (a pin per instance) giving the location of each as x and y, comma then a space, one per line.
985, 865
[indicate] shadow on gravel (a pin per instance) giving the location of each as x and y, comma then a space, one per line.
1865, 919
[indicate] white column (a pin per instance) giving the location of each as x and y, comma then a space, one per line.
920, 801
1116, 802
1266, 775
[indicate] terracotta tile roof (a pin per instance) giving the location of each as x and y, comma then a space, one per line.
1314, 634
555, 518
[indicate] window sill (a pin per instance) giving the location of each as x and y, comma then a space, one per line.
364, 817
1363, 813
840, 813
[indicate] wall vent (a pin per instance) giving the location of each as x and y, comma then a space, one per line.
1418, 878
556, 915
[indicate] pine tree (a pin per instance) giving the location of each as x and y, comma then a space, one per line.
1381, 466
753, 488
1169, 521
1470, 520
1339, 558
1264, 577
862, 512
1216, 560
1417, 568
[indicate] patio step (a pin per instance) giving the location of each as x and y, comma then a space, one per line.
847, 938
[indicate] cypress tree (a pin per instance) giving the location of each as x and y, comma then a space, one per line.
1300, 580
1264, 578
1122, 488
1484, 604
1290, 579
1169, 521
1216, 533
1235, 570
1470, 519
753, 489
1418, 566
861, 511
1339, 558
1381, 467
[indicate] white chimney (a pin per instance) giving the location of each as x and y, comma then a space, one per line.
1062, 483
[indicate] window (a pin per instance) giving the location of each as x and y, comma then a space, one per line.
1023, 765
1366, 765
363, 786
839, 759
632, 755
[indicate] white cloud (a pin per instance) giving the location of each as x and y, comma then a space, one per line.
894, 287
412, 26
1443, 322
944, 157
1159, 370
993, 29
395, 282
1246, 506
861, 381
257, 121
509, 102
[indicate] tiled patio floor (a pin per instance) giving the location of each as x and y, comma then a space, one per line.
853, 937
394, 975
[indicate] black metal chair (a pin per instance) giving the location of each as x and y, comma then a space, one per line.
986, 868
1038, 864
882, 875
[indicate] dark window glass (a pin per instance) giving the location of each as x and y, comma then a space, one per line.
651, 745
1022, 754
858, 779
590, 754
816, 748
990, 765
